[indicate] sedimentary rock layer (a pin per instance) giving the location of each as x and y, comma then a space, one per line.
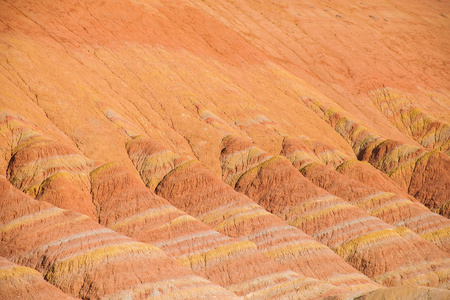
173, 96
46, 169
387, 206
87, 260
429, 131
361, 239
206, 197
422, 173
128, 207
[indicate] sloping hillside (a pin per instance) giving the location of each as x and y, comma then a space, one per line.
201, 149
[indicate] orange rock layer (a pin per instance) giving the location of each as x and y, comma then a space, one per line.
224, 149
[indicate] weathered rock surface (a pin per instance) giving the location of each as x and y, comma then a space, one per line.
375, 248
424, 174
46, 169
213, 202
387, 206
429, 131
157, 86
18, 282
407, 292
128, 207
87, 260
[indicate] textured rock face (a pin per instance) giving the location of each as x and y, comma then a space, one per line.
407, 293
429, 131
422, 173
348, 230
387, 206
87, 260
212, 201
142, 215
18, 282
224, 149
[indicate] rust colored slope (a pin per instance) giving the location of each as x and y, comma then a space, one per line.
370, 245
46, 169
423, 173
87, 260
208, 198
389, 207
127, 206
17, 282
349, 48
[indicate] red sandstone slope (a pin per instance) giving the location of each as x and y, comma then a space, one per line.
141, 214
277, 186
212, 201
150, 89
390, 207
84, 259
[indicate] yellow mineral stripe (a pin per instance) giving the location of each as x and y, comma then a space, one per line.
195, 238
442, 233
162, 287
190, 293
389, 206
371, 198
416, 274
293, 212
351, 246
292, 248
344, 278
226, 211
101, 254
148, 214
264, 281
241, 217
295, 289
13, 271
32, 218
317, 213
218, 252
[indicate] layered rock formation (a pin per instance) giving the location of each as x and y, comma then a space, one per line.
218, 205
224, 149
86, 260
348, 230
142, 215
387, 206
420, 172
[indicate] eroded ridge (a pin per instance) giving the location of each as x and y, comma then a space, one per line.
129, 207
410, 119
387, 206
358, 237
47, 169
215, 203
87, 260
22, 282
424, 174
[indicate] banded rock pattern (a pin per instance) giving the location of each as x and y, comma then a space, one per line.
86, 260
422, 173
142, 215
387, 206
218, 205
421, 126
104, 103
348, 230
46, 169
18, 282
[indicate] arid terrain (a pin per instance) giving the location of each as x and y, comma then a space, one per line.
204, 149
